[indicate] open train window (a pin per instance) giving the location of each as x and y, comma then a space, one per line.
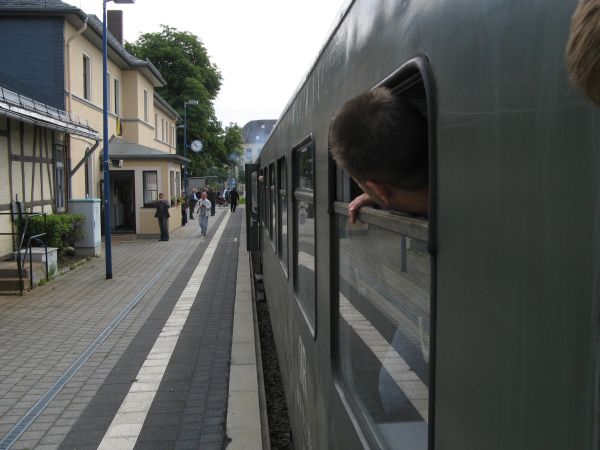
384, 326
304, 229
282, 222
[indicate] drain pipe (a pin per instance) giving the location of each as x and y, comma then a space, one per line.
68, 62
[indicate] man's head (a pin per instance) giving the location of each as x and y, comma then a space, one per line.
380, 139
194, 190
583, 49
161, 196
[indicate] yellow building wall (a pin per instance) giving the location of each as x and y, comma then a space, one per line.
30, 179
90, 110
165, 142
145, 221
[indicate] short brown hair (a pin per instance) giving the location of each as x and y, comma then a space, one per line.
583, 49
382, 137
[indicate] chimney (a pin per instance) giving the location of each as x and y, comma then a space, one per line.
114, 23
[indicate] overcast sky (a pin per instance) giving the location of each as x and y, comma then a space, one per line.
262, 47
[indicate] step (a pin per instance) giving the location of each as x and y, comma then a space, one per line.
11, 285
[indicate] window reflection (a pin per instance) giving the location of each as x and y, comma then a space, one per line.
384, 329
305, 286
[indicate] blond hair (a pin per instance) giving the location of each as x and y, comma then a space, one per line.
583, 49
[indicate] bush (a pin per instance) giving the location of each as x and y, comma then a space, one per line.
62, 230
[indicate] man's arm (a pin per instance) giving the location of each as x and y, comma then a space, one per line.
354, 205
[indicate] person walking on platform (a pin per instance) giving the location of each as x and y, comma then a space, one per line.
162, 214
233, 199
203, 208
192, 200
212, 198
184, 206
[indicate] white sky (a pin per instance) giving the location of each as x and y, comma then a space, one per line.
262, 47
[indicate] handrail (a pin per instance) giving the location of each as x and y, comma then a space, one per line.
21, 261
409, 226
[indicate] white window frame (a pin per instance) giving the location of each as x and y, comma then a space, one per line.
146, 105
87, 77
117, 94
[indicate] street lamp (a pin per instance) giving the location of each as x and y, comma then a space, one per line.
107, 234
185, 144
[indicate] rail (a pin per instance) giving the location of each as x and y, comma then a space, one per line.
396, 222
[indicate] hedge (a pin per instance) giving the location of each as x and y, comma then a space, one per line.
62, 230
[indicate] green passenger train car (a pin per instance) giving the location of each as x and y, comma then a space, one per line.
478, 327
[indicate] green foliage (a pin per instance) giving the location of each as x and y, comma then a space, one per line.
62, 230
184, 63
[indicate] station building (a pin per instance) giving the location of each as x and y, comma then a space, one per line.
52, 52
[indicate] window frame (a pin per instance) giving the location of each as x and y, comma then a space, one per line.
414, 72
146, 106
272, 206
60, 179
145, 173
87, 77
282, 196
117, 96
310, 196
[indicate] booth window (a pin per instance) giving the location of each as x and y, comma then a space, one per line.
384, 331
304, 230
150, 180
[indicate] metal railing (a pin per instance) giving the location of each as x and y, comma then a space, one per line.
21, 258
15, 99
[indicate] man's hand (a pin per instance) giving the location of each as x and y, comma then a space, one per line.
354, 205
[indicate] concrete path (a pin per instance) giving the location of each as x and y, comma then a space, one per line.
73, 351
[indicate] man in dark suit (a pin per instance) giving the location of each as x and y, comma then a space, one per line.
162, 214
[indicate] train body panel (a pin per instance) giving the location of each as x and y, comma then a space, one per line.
514, 234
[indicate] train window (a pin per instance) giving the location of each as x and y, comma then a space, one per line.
304, 230
384, 328
263, 197
282, 226
272, 203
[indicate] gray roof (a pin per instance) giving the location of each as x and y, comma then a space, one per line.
28, 110
166, 105
257, 131
36, 4
119, 148
78, 17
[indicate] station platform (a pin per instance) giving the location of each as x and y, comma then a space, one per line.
162, 356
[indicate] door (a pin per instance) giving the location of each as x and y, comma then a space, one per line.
252, 211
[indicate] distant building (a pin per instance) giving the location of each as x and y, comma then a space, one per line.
255, 134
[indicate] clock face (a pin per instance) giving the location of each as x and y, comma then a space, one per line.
196, 146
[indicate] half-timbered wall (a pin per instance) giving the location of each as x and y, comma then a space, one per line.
28, 172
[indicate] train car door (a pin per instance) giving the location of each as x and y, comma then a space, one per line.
252, 213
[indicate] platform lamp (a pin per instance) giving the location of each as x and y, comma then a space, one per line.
107, 233
185, 144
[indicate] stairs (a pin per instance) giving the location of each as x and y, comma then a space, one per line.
9, 276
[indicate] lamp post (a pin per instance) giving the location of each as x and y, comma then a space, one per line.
107, 233
185, 144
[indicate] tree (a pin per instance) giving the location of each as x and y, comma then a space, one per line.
182, 60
